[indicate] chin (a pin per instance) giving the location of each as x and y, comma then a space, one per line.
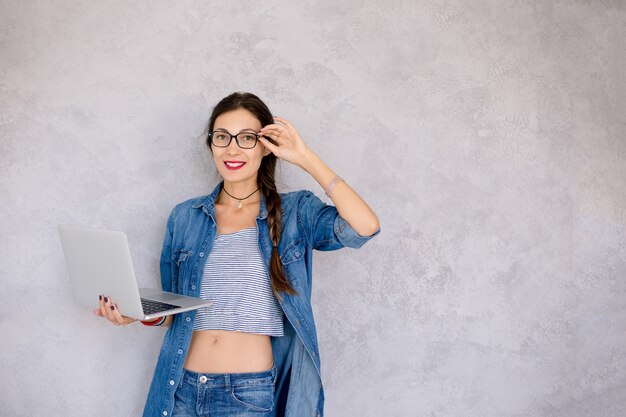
237, 176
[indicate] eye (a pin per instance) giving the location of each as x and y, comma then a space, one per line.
220, 136
248, 137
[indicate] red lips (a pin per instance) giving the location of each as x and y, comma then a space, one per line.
234, 165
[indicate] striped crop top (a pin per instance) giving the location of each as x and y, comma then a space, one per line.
236, 279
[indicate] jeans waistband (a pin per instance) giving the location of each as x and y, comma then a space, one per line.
226, 380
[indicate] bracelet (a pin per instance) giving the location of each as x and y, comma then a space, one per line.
156, 322
332, 184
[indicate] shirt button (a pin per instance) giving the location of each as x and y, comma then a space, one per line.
201, 254
180, 351
164, 413
203, 379
188, 319
193, 287
296, 253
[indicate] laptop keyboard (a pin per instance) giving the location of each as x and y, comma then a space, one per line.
151, 306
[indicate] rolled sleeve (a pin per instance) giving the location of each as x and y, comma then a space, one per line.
348, 236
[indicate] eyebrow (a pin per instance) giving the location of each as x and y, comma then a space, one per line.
242, 130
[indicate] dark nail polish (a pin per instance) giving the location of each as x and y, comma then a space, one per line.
106, 300
100, 297
112, 307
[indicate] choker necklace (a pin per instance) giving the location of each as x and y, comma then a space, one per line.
239, 202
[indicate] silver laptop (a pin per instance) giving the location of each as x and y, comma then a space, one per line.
99, 263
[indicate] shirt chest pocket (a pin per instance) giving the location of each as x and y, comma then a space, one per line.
180, 261
294, 252
292, 258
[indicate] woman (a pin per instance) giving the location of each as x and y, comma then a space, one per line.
249, 249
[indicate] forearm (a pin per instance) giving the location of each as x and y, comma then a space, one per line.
349, 204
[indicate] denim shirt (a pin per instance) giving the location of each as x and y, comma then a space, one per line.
308, 224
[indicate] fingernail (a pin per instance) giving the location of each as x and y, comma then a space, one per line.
100, 297
106, 300
112, 307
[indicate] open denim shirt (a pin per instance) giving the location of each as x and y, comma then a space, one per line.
308, 224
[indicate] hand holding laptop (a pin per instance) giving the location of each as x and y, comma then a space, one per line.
108, 309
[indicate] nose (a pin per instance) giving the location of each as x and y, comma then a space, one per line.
233, 148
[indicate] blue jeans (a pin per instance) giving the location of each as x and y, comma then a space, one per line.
221, 395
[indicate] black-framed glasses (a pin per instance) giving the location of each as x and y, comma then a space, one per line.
222, 138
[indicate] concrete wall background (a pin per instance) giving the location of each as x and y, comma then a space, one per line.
488, 135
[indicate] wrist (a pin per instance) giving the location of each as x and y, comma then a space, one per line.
156, 322
332, 184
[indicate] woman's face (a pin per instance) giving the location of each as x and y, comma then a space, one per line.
236, 164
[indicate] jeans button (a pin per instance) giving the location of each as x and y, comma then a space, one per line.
203, 379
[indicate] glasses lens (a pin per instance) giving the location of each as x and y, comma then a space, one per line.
246, 139
220, 138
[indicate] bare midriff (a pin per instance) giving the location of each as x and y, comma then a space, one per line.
221, 351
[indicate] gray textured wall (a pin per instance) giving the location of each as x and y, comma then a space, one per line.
488, 135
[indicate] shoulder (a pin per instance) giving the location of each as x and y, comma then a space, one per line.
198, 204
305, 206
191, 205
298, 197
195, 202
299, 201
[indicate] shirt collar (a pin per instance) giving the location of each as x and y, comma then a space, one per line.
208, 204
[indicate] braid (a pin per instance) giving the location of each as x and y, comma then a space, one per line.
267, 185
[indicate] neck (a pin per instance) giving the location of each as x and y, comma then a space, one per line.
240, 190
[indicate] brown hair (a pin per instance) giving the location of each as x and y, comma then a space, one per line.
265, 180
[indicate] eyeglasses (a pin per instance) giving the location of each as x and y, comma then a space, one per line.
221, 138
